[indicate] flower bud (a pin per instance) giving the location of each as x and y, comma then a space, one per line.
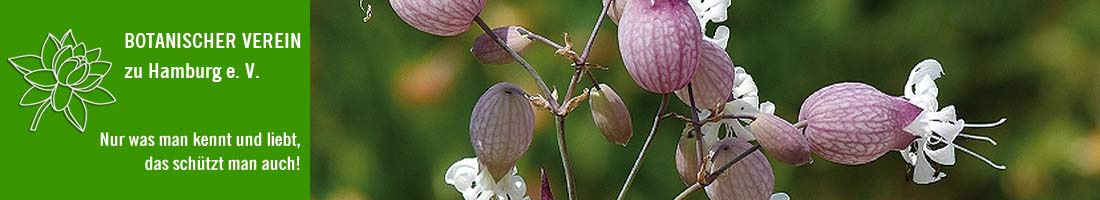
438, 17
488, 52
854, 123
780, 139
660, 42
610, 114
749, 178
501, 127
687, 160
713, 80
617, 10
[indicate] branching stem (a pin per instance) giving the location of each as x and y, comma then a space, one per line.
714, 175
527, 66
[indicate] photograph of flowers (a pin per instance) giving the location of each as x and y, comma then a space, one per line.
704, 99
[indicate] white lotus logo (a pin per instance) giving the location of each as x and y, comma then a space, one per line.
64, 77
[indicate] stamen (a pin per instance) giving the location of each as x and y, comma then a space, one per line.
978, 137
987, 161
987, 125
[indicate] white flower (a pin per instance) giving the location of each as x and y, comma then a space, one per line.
66, 76
475, 182
746, 102
713, 11
780, 196
935, 128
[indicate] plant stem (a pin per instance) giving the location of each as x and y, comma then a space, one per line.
582, 63
645, 147
544, 40
560, 119
696, 127
700, 145
720, 170
520, 60
595, 29
564, 151
582, 66
694, 188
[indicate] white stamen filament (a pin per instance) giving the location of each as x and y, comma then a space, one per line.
986, 125
976, 155
978, 137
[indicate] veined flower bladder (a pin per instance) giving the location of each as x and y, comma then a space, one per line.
438, 17
660, 44
65, 77
500, 127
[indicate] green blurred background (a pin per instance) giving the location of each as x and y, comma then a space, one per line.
391, 105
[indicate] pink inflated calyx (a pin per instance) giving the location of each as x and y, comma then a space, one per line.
713, 80
749, 178
438, 17
500, 128
660, 42
780, 139
854, 123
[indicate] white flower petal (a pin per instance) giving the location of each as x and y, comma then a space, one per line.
462, 174
475, 183
710, 133
908, 154
926, 68
741, 106
780, 196
936, 130
923, 173
921, 88
707, 11
721, 36
741, 131
944, 155
744, 87
767, 107
511, 186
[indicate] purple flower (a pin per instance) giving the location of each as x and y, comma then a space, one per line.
854, 123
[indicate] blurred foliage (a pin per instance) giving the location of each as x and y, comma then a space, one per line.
391, 105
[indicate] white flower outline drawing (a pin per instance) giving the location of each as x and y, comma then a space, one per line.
64, 70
